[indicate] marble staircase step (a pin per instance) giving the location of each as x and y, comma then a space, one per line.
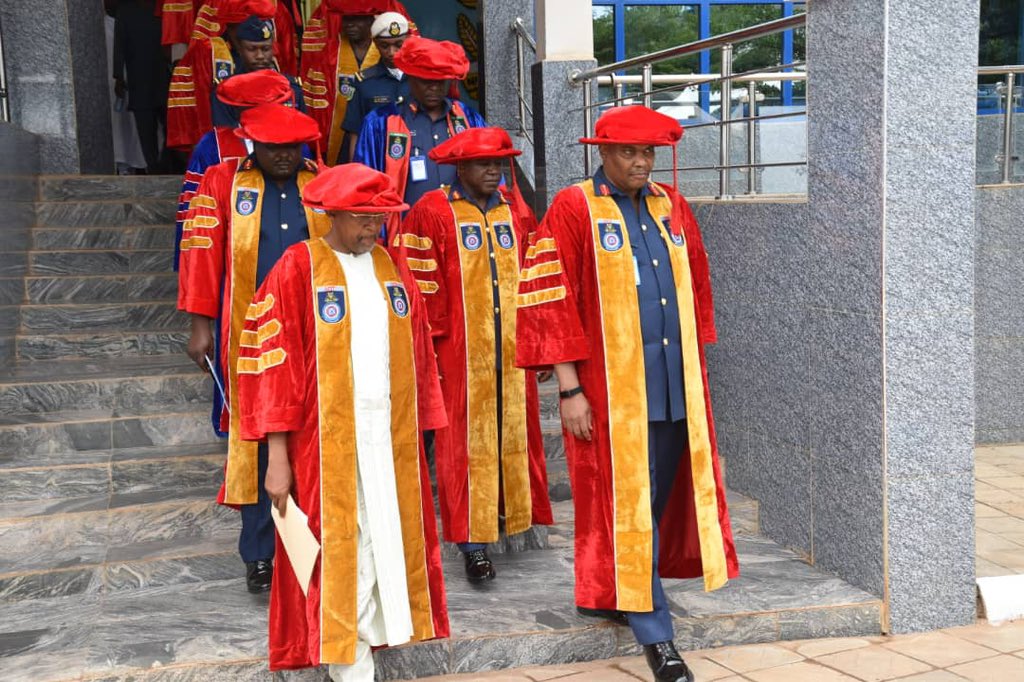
84, 238
98, 440
100, 345
166, 627
102, 317
127, 212
100, 262
107, 187
100, 288
45, 491
106, 387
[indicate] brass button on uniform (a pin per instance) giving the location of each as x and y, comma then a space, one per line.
664, 342
284, 226
643, 227
664, 301
654, 262
494, 282
497, 310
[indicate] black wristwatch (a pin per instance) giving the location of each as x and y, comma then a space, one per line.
570, 393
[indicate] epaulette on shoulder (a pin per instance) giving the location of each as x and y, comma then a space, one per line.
656, 189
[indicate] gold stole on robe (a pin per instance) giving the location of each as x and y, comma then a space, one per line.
346, 70
620, 321
338, 459
482, 438
241, 480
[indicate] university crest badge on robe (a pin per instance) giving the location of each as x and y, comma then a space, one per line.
397, 144
345, 87
245, 200
396, 295
505, 238
471, 236
677, 239
330, 304
611, 234
222, 69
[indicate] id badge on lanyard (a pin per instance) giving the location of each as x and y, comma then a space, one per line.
417, 166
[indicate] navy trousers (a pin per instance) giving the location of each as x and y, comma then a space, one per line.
665, 443
256, 541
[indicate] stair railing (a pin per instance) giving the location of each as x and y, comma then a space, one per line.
5, 108
1009, 97
725, 43
523, 40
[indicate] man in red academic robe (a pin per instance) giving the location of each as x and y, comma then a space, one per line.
464, 244
341, 381
239, 93
244, 216
246, 44
336, 46
615, 295
189, 20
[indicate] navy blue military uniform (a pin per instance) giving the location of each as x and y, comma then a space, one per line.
229, 116
282, 224
663, 373
374, 88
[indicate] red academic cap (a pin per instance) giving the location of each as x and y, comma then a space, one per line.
353, 187
635, 124
354, 8
265, 86
475, 143
434, 60
277, 124
237, 11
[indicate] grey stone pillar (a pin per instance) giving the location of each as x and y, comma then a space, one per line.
56, 68
19, 170
890, 235
499, 59
557, 127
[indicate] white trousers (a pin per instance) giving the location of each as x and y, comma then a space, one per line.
370, 627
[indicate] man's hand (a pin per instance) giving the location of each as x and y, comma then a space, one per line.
544, 375
278, 483
577, 418
200, 343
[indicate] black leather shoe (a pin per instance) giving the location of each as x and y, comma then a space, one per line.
617, 617
666, 663
258, 575
479, 567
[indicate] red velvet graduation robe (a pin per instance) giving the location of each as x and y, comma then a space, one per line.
296, 377
447, 243
217, 279
578, 303
329, 69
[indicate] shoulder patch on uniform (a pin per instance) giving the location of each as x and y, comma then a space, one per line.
397, 145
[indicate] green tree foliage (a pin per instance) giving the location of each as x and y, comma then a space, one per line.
1000, 32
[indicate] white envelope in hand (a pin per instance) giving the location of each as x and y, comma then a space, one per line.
299, 541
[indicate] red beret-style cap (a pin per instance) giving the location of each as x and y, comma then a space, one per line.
277, 124
265, 86
237, 11
354, 8
353, 187
475, 143
434, 60
635, 124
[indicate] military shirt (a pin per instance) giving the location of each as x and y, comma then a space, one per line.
659, 309
374, 87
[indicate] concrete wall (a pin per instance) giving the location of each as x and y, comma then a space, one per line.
57, 73
844, 381
999, 314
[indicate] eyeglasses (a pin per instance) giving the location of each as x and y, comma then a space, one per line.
367, 221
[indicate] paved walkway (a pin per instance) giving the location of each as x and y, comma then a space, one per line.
977, 653
999, 510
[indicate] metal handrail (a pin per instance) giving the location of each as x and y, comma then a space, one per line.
725, 42
742, 35
1005, 90
523, 38
5, 107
